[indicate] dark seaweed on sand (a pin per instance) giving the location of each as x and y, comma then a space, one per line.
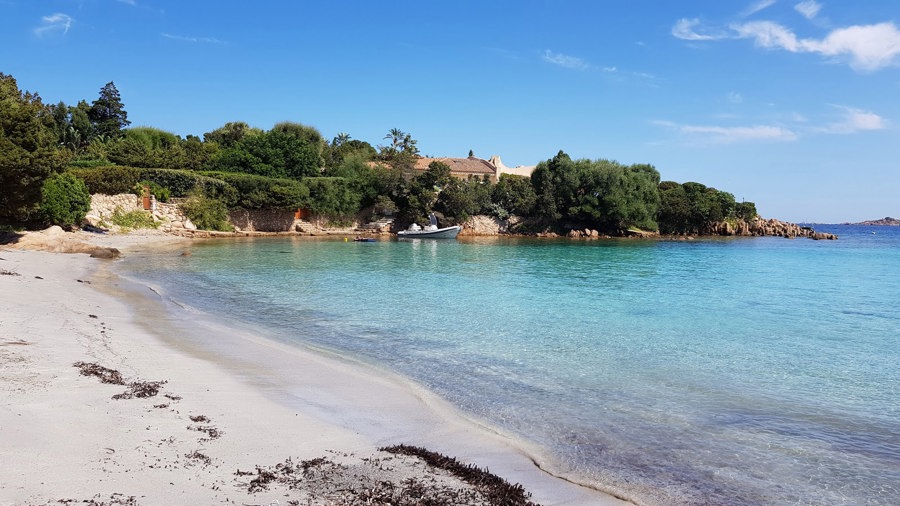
140, 389
498, 491
351, 486
105, 374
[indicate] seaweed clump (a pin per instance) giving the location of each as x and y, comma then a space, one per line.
105, 374
498, 491
140, 389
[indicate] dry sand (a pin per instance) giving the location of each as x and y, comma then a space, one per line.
206, 414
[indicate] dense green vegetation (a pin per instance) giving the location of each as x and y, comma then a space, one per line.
64, 200
51, 154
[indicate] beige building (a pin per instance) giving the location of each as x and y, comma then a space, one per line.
464, 168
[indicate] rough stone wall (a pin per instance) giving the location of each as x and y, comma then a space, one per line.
262, 220
169, 216
103, 207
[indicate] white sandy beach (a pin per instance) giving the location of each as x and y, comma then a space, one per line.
229, 405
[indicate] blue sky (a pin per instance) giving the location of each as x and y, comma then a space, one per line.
790, 104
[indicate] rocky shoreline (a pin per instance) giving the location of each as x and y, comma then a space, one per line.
172, 221
887, 221
758, 227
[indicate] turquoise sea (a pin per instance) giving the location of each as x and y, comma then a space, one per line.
719, 371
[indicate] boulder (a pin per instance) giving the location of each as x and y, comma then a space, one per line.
105, 253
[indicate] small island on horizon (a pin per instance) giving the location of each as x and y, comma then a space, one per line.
886, 221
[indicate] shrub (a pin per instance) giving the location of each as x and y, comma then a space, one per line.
259, 192
109, 180
182, 183
331, 196
207, 213
65, 200
133, 219
90, 163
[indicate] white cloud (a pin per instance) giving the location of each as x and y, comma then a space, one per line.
808, 8
129, 2
563, 60
727, 135
854, 120
758, 6
768, 35
53, 23
196, 40
685, 29
868, 47
735, 97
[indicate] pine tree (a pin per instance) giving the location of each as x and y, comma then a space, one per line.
108, 113
28, 153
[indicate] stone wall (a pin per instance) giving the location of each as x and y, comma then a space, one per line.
262, 220
169, 216
103, 207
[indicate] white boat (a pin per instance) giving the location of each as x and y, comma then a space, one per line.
430, 232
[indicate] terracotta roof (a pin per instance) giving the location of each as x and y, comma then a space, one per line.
471, 165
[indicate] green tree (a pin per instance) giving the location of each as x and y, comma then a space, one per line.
334, 197
674, 214
65, 200
197, 154
28, 152
107, 113
276, 153
600, 193
745, 211
553, 181
80, 132
460, 199
343, 147
436, 176
147, 147
402, 151
230, 134
514, 195
308, 134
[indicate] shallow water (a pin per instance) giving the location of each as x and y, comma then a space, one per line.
727, 371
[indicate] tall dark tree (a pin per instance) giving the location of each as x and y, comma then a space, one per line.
81, 131
28, 153
513, 195
108, 114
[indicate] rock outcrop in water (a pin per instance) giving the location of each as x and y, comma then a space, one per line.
763, 227
886, 221
757, 227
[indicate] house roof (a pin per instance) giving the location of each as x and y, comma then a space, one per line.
473, 166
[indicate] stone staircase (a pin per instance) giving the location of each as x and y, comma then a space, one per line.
382, 225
